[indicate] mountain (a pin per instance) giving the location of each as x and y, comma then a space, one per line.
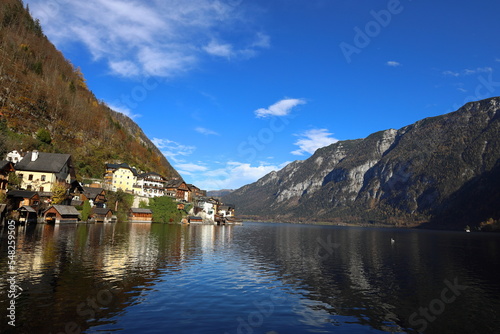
46, 105
443, 171
219, 193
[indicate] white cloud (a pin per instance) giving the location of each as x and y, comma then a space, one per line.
154, 38
215, 48
451, 73
393, 63
124, 68
172, 150
468, 71
205, 131
123, 110
233, 175
477, 70
262, 41
213, 175
312, 140
189, 168
280, 108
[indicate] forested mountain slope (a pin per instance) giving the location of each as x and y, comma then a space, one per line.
46, 105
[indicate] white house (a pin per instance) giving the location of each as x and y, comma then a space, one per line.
150, 185
14, 157
39, 171
226, 211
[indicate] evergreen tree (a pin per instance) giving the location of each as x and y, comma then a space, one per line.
86, 210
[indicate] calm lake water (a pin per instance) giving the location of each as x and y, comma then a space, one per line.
255, 278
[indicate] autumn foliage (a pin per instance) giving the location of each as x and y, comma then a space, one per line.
45, 104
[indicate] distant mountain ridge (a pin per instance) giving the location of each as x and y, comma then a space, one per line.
430, 171
219, 193
46, 105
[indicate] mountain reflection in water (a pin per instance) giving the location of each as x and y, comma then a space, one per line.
255, 278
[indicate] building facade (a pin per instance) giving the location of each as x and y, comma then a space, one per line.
39, 171
121, 176
151, 185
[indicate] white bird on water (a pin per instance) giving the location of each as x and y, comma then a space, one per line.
392, 241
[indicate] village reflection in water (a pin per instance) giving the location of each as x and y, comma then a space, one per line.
66, 270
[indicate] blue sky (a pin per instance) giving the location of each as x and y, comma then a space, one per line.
230, 90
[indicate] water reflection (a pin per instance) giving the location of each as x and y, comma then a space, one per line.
253, 278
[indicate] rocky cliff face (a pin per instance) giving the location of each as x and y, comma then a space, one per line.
413, 174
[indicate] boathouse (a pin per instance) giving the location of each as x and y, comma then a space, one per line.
102, 215
195, 220
19, 198
27, 215
138, 215
60, 214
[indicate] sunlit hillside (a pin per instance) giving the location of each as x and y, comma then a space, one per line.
45, 104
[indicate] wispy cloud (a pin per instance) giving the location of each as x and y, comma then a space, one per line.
216, 48
189, 168
173, 150
123, 110
393, 63
468, 71
205, 131
313, 139
478, 70
213, 175
155, 38
234, 175
451, 73
280, 108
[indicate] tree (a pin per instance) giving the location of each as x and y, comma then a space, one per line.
59, 190
86, 210
14, 181
43, 135
3, 198
120, 197
164, 210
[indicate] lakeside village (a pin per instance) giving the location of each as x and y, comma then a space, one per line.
38, 187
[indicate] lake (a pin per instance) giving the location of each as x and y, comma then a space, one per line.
255, 278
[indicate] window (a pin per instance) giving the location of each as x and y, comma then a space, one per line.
30, 178
43, 178
28, 188
41, 189
21, 177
